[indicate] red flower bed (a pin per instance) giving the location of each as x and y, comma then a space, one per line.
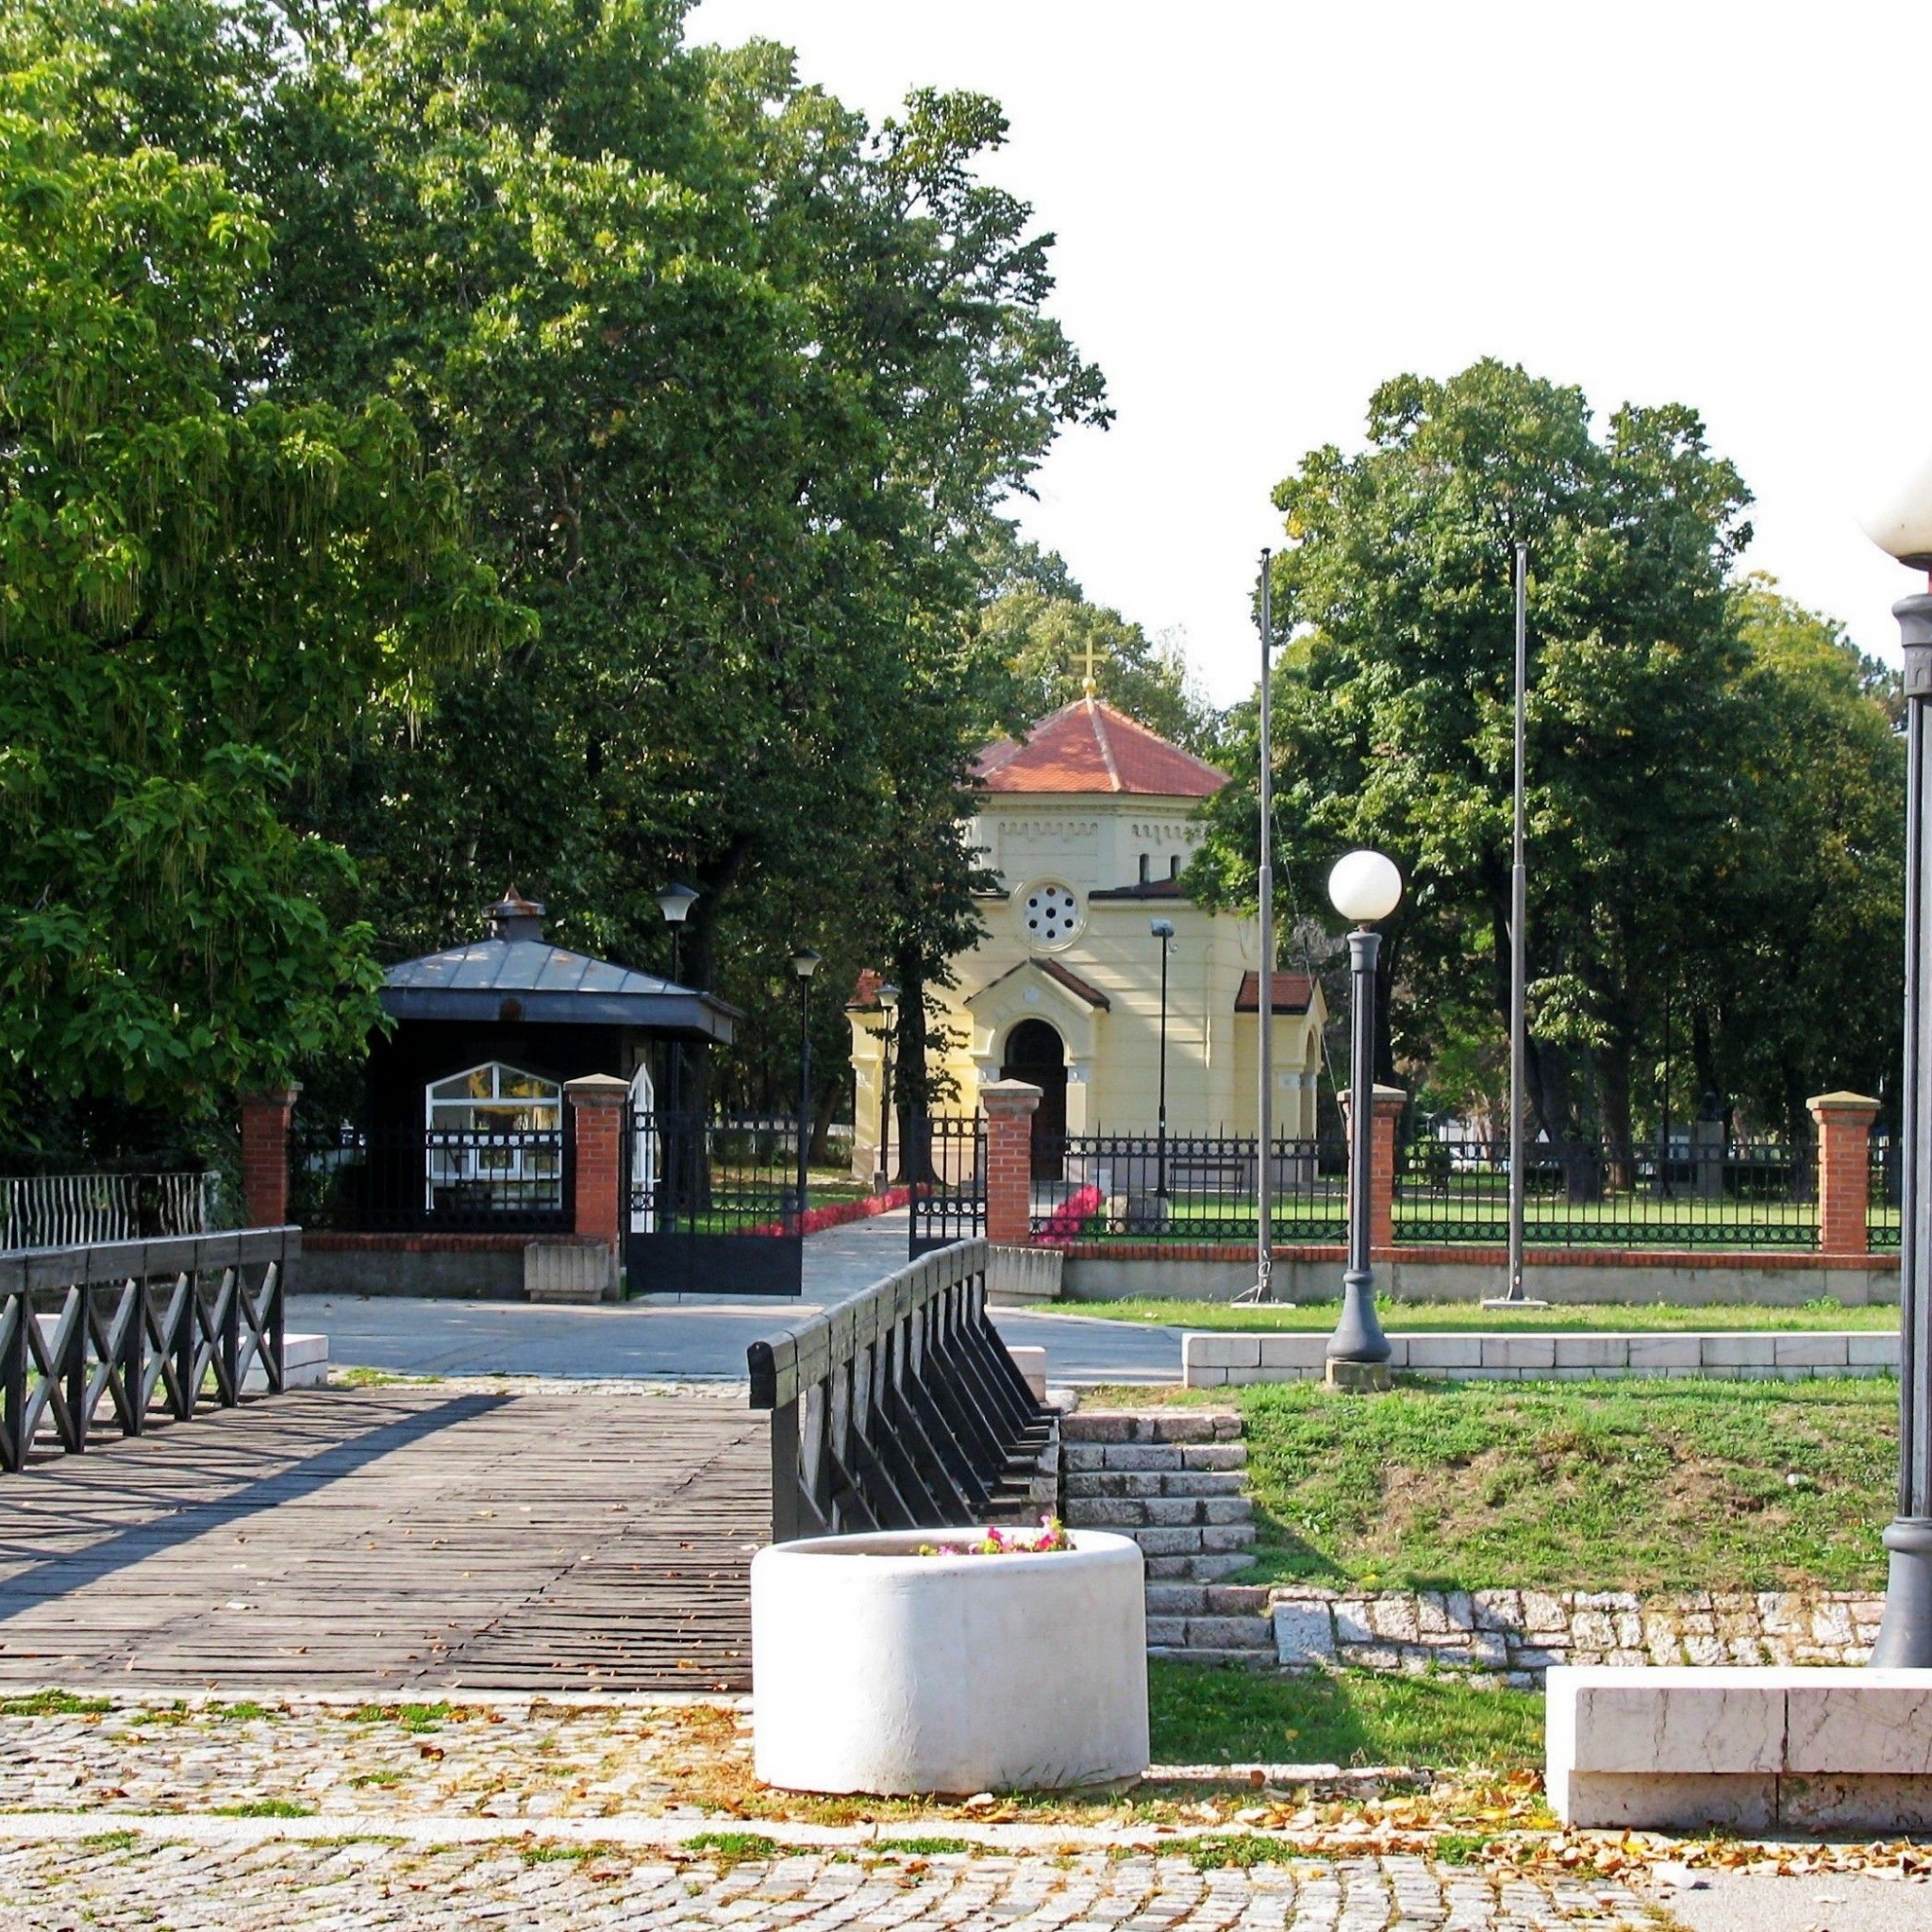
1063, 1224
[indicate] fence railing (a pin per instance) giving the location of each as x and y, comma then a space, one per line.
899, 1410
1186, 1188
465, 1180
945, 1162
65, 1209
1882, 1198
714, 1174
143, 1326
1725, 1194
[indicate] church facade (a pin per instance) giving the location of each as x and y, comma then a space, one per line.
1088, 825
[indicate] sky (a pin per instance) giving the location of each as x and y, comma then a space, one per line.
1263, 211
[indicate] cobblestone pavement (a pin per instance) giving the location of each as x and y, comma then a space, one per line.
286, 1885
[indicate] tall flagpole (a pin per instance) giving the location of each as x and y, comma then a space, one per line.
1519, 921
1263, 1290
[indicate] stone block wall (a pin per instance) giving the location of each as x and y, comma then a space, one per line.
1515, 1636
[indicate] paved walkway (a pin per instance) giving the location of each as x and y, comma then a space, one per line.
418, 1539
679, 1338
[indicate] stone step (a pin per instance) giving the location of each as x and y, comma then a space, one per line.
1081, 1457
1211, 1633
1202, 1567
1154, 1482
1209, 1600
1164, 1425
1156, 1513
1224, 1660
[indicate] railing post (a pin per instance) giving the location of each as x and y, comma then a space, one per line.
1844, 1171
598, 1103
1385, 1117
266, 1119
1009, 1107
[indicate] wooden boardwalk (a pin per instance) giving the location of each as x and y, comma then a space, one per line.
403, 1539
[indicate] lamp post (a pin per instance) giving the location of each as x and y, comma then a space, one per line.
674, 902
889, 1006
805, 962
1364, 886
1162, 930
1904, 1636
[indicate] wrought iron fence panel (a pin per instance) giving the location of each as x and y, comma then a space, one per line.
714, 1173
900, 1409
1706, 1192
945, 1164
467, 1179
148, 1329
1882, 1197
1188, 1188
51, 1210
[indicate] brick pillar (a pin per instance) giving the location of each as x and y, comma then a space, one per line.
1844, 1141
597, 1104
1384, 1119
1009, 1105
266, 1119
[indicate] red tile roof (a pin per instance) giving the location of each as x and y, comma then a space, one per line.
1292, 993
1089, 747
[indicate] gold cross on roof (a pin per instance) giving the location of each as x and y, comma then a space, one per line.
1090, 686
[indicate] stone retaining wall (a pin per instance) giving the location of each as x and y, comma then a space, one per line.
1222, 1358
1514, 1636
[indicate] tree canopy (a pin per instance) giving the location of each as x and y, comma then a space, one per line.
1695, 745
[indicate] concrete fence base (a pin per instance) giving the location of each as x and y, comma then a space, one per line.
1219, 1359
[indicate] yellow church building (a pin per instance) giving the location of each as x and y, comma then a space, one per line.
1089, 825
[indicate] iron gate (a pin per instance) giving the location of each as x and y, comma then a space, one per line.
713, 1205
946, 1166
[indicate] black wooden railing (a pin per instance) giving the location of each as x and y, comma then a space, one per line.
143, 1326
900, 1409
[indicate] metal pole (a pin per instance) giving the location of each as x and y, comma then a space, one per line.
1663, 1156
1264, 1005
1519, 916
886, 1112
1359, 1336
1904, 1636
1160, 1175
803, 1095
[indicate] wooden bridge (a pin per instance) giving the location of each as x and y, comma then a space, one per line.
410, 1540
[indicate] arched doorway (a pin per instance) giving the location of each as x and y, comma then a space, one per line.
1035, 1053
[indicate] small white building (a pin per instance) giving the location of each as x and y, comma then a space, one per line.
1089, 825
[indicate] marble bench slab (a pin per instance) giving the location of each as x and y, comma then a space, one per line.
1682, 1748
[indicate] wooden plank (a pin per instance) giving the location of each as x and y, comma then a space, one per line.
394, 1540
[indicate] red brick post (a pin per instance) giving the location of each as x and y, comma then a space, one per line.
1384, 1117
266, 1119
1009, 1105
597, 1104
1844, 1141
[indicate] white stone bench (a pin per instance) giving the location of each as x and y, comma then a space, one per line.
1221, 1358
1793, 1749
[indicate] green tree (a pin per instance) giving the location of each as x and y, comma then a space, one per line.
196, 582
1393, 706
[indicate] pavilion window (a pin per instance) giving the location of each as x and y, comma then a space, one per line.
496, 1141
1146, 867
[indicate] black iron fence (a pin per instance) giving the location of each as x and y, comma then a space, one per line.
900, 1409
714, 1173
945, 1162
1701, 1192
64, 1210
459, 1180
1187, 1187
1882, 1195
146, 1327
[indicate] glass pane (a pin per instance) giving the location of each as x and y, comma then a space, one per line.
513, 1085
452, 1117
458, 1089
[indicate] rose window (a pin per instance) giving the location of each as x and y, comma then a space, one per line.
1052, 915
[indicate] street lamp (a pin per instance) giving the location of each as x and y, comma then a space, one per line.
1364, 886
805, 962
1904, 1636
674, 902
1162, 930
889, 1006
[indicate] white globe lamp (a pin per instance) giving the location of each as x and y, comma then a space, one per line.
1364, 886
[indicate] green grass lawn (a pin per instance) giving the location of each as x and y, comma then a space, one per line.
1351, 1718
1610, 1486
1443, 1318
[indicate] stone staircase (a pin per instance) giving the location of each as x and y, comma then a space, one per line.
1175, 1480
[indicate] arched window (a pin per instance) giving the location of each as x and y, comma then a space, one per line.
495, 1142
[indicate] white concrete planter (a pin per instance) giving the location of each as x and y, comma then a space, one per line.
875, 1669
